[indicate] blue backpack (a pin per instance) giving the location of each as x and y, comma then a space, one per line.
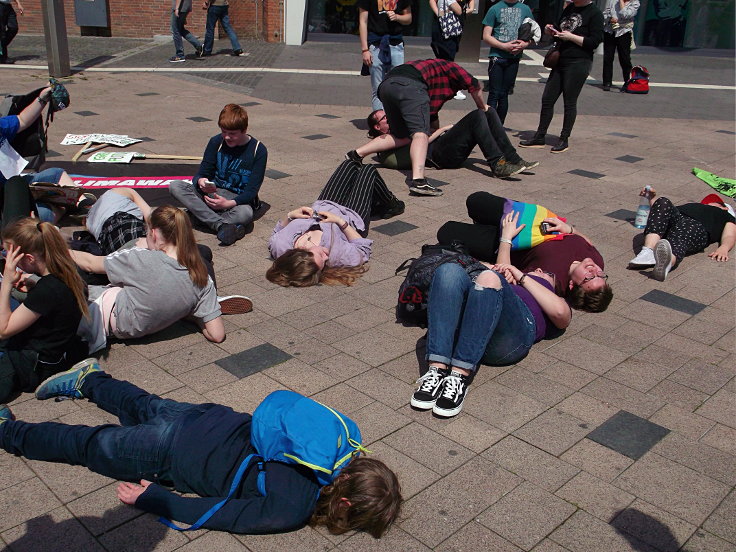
291, 428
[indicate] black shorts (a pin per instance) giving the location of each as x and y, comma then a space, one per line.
406, 103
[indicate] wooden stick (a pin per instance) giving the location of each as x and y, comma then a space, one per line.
80, 152
95, 148
154, 156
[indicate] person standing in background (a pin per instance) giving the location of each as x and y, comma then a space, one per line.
380, 25
444, 45
8, 27
618, 28
217, 10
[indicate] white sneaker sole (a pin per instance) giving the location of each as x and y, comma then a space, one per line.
422, 405
445, 413
663, 258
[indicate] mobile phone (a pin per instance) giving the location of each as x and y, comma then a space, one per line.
544, 227
209, 187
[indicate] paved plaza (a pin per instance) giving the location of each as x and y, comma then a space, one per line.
620, 435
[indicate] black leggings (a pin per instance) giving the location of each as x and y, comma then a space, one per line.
477, 128
686, 235
481, 238
357, 187
16, 200
567, 79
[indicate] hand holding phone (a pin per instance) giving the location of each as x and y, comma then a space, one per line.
209, 187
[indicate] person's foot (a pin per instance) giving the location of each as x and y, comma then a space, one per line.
6, 414
352, 155
228, 234
235, 304
238, 53
606, 87
199, 51
429, 389
7, 61
645, 259
68, 384
86, 200
561, 146
459, 95
529, 165
536, 141
504, 169
395, 208
662, 260
177, 59
454, 390
420, 186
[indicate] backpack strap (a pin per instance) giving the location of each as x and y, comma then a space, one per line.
212, 511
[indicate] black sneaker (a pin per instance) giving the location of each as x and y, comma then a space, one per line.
352, 155
504, 169
395, 208
606, 87
177, 59
420, 186
561, 146
238, 53
454, 390
537, 141
228, 234
425, 397
200, 52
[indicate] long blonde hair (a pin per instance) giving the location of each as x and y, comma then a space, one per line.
43, 240
297, 268
176, 229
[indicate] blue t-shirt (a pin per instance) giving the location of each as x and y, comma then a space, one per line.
8, 129
506, 18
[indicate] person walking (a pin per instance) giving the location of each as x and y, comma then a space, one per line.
217, 10
618, 29
8, 27
180, 9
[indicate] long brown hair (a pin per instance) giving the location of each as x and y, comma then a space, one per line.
373, 497
44, 241
297, 268
176, 229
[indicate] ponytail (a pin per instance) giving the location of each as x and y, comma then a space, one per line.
44, 240
176, 229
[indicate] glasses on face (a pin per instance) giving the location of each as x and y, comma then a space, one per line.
381, 119
594, 275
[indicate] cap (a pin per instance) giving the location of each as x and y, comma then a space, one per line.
712, 198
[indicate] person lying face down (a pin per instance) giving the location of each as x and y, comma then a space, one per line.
564, 251
197, 448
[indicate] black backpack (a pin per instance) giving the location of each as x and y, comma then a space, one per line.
31, 143
411, 308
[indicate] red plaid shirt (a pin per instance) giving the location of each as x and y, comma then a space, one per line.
444, 79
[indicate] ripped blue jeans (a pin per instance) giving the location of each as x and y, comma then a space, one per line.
470, 324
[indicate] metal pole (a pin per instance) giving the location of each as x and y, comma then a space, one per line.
54, 30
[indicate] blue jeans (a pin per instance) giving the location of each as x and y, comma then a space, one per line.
469, 323
380, 70
179, 31
215, 14
45, 213
501, 78
139, 449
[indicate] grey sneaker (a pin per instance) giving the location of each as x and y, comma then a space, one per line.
663, 260
529, 165
228, 234
504, 169
420, 186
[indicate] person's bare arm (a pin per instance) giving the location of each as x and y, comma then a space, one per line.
33, 110
439, 132
363, 34
136, 198
434, 8
728, 240
214, 330
88, 262
556, 225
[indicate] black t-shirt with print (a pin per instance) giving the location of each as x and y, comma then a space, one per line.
378, 21
587, 22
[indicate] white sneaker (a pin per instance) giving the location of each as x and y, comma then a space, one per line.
644, 259
663, 258
460, 95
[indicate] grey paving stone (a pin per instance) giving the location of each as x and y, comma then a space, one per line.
672, 301
253, 360
199, 119
709, 461
703, 541
582, 533
726, 131
146, 139
394, 228
475, 537
630, 158
653, 526
250, 104
52, 153
595, 496
429, 448
273, 174
86, 113
628, 434
553, 431
316, 136
600, 461
622, 135
144, 94
721, 520
587, 174
327, 116
55, 530
622, 214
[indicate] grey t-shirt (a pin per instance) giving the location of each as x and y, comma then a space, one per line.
157, 291
105, 207
184, 5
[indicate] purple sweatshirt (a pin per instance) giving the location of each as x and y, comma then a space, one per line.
343, 252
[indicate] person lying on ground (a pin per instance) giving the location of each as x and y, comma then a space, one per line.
326, 243
562, 250
450, 146
223, 195
412, 95
673, 232
492, 317
152, 288
197, 448
40, 335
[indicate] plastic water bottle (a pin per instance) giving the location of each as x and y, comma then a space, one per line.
642, 213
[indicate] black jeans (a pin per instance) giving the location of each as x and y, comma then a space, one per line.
567, 79
477, 128
8, 28
481, 238
16, 200
611, 44
357, 187
501, 78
